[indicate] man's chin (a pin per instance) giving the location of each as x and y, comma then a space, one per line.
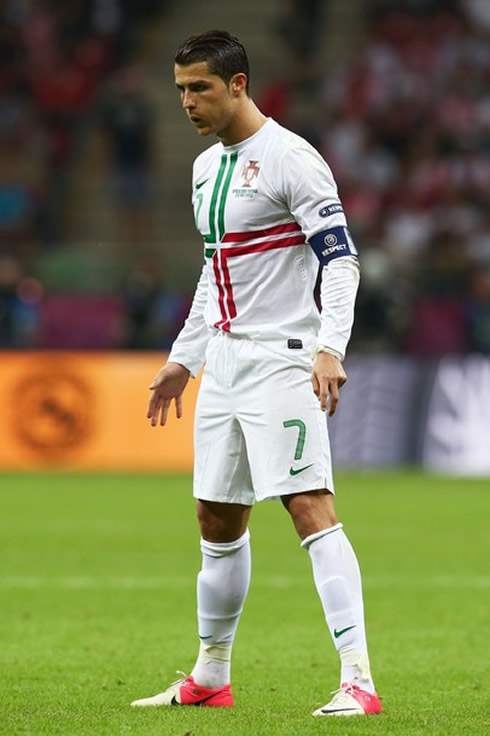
203, 130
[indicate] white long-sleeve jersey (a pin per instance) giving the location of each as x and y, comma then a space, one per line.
268, 210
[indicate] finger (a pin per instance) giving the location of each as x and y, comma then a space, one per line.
178, 406
316, 385
163, 416
155, 415
153, 406
155, 383
323, 395
334, 397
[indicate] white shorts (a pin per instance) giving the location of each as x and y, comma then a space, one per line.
259, 431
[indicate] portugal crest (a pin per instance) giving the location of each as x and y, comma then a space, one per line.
249, 173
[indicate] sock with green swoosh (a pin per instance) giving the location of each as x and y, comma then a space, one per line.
222, 587
338, 582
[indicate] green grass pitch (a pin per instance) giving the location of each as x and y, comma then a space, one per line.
97, 591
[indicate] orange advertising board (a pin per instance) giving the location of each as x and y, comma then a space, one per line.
87, 411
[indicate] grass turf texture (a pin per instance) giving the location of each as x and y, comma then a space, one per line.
97, 581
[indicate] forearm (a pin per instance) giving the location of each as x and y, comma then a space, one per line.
189, 348
340, 281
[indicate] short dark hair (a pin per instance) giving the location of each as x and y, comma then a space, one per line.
224, 53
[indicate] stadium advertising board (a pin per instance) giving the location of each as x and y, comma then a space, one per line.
86, 411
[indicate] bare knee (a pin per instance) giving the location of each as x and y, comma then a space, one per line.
311, 511
222, 522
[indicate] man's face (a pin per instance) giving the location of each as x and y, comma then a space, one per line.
205, 97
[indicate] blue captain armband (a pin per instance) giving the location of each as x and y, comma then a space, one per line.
333, 243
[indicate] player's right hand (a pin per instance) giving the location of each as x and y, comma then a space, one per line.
169, 383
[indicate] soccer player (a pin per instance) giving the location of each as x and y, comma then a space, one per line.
267, 208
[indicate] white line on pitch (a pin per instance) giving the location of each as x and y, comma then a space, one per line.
155, 582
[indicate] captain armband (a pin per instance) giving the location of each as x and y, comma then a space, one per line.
333, 243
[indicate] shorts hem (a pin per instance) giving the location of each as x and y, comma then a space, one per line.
278, 491
203, 496
273, 493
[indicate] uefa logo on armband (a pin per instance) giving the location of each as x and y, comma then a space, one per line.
330, 239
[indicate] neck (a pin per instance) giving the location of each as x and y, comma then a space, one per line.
247, 120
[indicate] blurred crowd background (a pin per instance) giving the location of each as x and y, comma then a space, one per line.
403, 120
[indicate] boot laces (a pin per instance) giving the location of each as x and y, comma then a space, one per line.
183, 677
345, 691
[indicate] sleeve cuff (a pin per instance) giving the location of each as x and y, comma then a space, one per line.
327, 349
192, 364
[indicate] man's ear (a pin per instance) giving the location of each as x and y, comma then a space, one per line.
238, 84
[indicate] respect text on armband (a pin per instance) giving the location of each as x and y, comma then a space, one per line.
333, 243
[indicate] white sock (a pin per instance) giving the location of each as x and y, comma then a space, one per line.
222, 587
338, 582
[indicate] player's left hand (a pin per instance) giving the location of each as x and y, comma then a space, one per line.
327, 378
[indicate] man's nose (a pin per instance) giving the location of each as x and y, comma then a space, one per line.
187, 100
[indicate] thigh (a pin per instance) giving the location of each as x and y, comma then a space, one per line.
286, 432
221, 470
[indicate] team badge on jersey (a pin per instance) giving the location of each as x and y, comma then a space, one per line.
249, 173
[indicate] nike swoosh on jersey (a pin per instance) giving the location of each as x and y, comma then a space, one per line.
202, 183
296, 471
